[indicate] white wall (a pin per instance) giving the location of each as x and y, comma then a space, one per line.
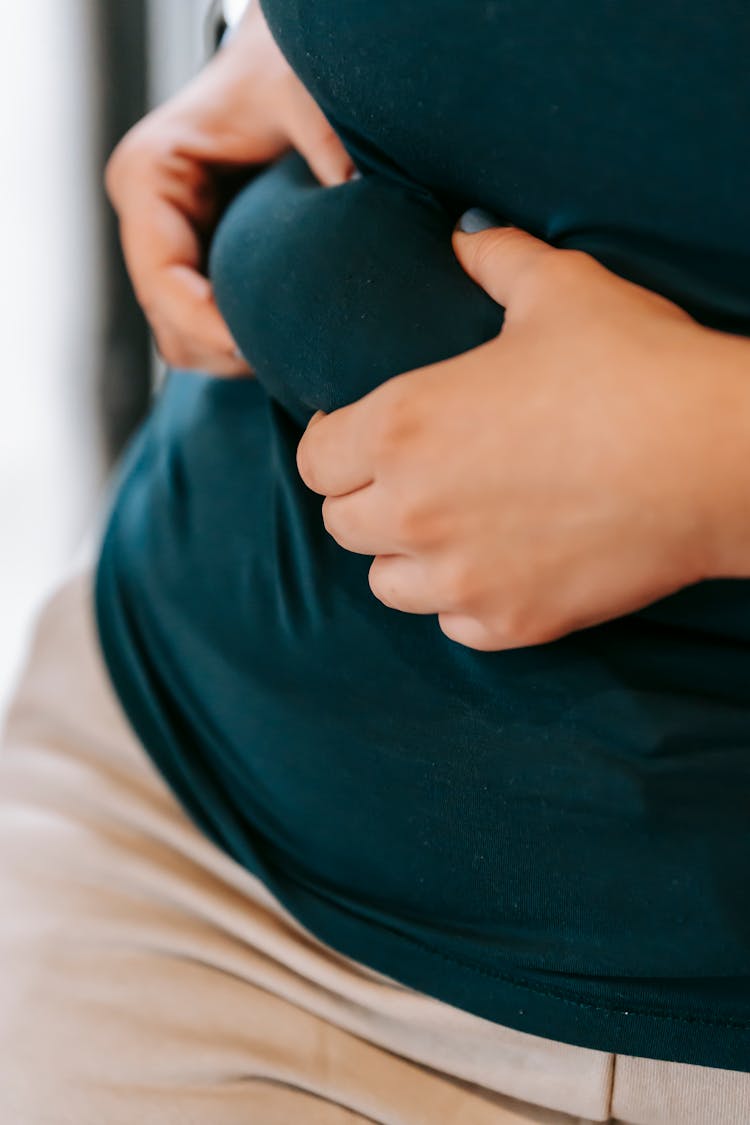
51, 478
178, 41
49, 470
177, 44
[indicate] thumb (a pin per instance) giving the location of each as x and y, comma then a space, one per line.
495, 256
314, 138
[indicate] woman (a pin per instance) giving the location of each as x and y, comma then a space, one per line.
475, 847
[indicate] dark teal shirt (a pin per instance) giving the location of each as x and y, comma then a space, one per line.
557, 838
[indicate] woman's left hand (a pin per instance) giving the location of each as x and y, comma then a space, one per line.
586, 462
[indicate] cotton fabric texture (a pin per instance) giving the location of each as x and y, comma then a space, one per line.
555, 839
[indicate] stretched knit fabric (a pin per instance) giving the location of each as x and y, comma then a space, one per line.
556, 838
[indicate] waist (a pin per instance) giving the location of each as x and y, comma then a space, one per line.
518, 795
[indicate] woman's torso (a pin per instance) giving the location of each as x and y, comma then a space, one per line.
554, 838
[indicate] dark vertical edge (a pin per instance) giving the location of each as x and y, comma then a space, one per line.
120, 43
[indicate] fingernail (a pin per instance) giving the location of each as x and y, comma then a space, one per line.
355, 174
476, 219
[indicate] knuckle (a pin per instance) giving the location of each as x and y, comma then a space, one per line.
127, 156
579, 260
465, 630
174, 352
396, 424
410, 521
515, 627
580, 265
545, 272
145, 146
458, 588
564, 267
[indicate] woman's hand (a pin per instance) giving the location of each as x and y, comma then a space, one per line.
164, 179
588, 461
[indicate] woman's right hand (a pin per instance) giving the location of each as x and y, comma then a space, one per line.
164, 180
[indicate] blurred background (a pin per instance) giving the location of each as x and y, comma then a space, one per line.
77, 364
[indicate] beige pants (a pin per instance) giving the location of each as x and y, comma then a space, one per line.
147, 978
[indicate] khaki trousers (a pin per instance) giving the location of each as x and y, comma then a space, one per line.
147, 978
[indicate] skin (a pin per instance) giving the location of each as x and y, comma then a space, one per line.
165, 182
586, 462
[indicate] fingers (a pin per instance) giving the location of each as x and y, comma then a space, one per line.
334, 456
163, 253
162, 181
401, 582
497, 257
468, 631
188, 327
362, 521
312, 136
